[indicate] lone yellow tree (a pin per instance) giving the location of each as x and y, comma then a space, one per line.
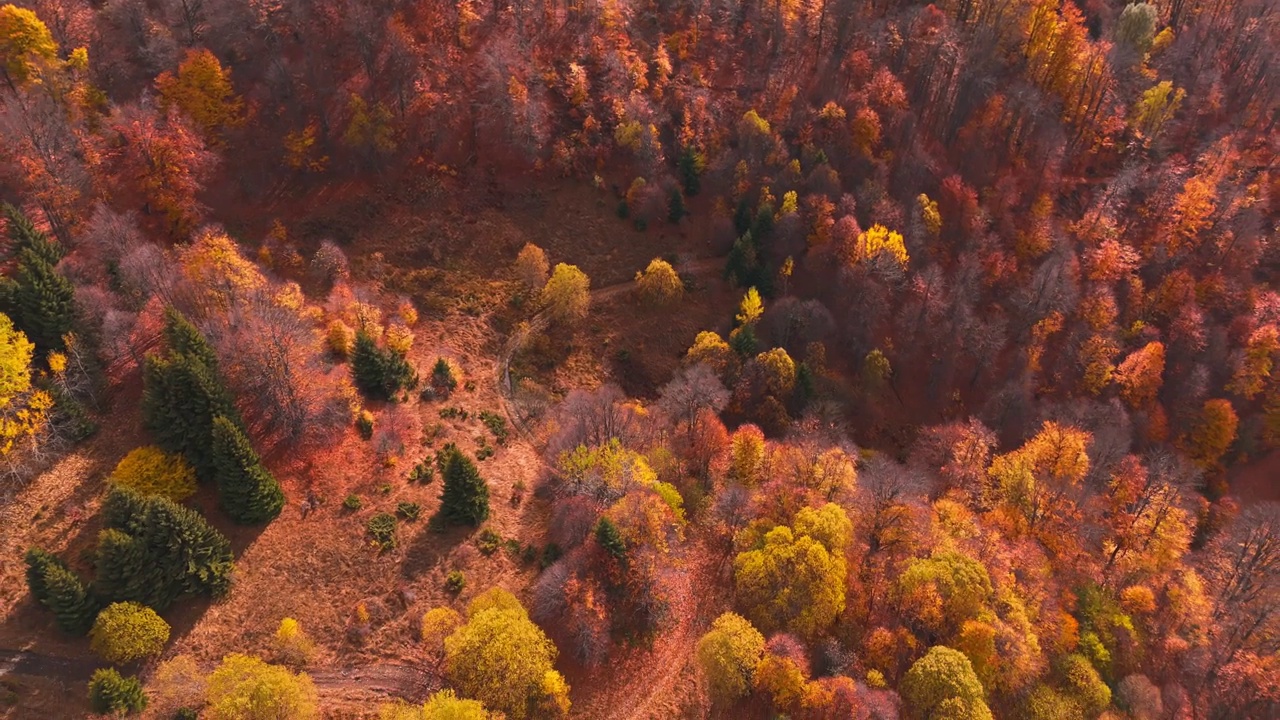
25, 42
567, 295
202, 91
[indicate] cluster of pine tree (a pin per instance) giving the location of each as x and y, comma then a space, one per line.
58, 588
380, 373
39, 298
188, 409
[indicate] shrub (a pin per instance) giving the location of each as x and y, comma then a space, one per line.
443, 379
496, 425
455, 581
339, 338
246, 688
292, 645
364, 424
152, 471
127, 631
352, 502
408, 510
423, 473
382, 528
438, 624
488, 542
112, 693
550, 554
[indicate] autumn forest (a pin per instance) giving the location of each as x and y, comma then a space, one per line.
640, 359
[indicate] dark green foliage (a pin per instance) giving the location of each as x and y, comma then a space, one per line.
40, 300
550, 554
806, 384
442, 379
465, 500
112, 693
382, 528
352, 502
184, 339
408, 510
610, 539
186, 713
73, 606
38, 561
249, 494
675, 207
691, 165
379, 373
744, 341
180, 400
455, 582
742, 218
24, 236
154, 550
488, 542
423, 473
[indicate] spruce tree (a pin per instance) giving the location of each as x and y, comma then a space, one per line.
675, 206
40, 300
250, 495
183, 338
38, 561
465, 500
379, 373
610, 539
180, 399
111, 693
25, 236
159, 551
73, 606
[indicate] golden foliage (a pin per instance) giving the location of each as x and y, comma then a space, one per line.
152, 471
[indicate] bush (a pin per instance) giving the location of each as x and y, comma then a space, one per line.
364, 425
455, 582
408, 510
352, 502
246, 688
438, 624
382, 528
550, 554
112, 693
423, 473
488, 542
496, 424
127, 631
152, 471
443, 379
293, 646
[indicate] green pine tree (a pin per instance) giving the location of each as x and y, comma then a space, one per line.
610, 539
379, 373
675, 207
183, 338
250, 495
40, 300
465, 500
38, 561
111, 693
162, 550
25, 236
181, 397
73, 606
691, 163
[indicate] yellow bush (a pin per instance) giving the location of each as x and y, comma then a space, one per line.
339, 338
152, 471
438, 624
293, 647
127, 631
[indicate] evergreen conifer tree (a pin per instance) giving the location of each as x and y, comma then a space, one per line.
40, 299
465, 500
610, 539
111, 693
379, 373
73, 606
25, 236
180, 400
38, 561
183, 338
250, 495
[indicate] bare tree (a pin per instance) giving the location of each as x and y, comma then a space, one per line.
692, 390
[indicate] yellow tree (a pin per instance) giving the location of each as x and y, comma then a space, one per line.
728, 655
567, 294
659, 284
1213, 433
1255, 366
750, 309
792, 581
24, 411
1036, 479
880, 242
217, 272
1157, 106
246, 688
501, 658
202, 91
25, 43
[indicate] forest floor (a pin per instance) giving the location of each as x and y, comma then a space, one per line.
317, 566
